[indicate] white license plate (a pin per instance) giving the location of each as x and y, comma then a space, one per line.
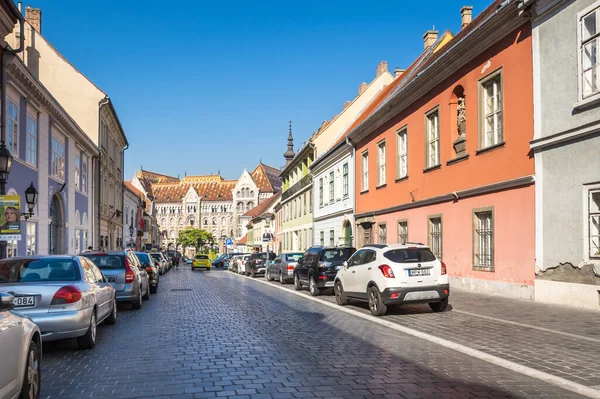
329, 284
419, 272
21, 301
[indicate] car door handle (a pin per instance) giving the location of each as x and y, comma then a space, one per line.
369, 268
353, 271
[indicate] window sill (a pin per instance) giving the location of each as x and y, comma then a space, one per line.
432, 168
364, 192
484, 269
398, 180
380, 187
587, 102
490, 148
457, 159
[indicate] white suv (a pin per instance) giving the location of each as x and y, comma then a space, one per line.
393, 274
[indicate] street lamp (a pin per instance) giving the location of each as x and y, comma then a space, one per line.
131, 230
31, 196
224, 238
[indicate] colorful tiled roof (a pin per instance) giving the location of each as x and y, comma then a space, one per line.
266, 178
263, 207
213, 188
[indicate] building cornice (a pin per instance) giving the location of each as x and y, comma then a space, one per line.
300, 155
332, 215
568, 135
338, 153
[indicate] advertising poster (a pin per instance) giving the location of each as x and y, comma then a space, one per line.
10, 217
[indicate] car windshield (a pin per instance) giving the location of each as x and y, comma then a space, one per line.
263, 256
410, 255
32, 270
107, 261
144, 258
293, 257
156, 257
202, 257
337, 254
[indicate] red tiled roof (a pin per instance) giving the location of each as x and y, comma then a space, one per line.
267, 178
154, 177
263, 206
208, 188
243, 240
134, 190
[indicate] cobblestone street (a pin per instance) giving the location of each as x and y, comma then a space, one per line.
216, 334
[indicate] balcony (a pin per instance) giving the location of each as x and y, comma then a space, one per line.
302, 183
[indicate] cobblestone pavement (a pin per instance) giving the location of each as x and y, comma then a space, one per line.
216, 334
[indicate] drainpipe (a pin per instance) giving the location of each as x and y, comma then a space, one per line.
123, 189
102, 102
354, 228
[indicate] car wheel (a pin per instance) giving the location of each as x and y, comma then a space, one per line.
281, 280
312, 287
376, 305
31, 380
267, 276
138, 304
439, 306
112, 318
88, 341
340, 295
147, 294
252, 274
297, 285
154, 289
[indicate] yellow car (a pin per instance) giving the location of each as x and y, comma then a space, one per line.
201, 262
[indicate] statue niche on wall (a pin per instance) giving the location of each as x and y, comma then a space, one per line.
461, 126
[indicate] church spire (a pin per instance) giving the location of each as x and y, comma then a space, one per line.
289, 154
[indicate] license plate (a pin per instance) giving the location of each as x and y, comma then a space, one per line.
112, 279
419, 272
21, 301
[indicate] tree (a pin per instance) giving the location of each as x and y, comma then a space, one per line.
196, 238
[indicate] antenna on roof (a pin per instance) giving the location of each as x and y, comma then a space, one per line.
219, 172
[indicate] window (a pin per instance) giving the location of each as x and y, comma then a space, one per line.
331, 187
31, 155
309, 201
433, 139
77, 242
491, 97
84, 174
381, 164
382, 234
12, 248
321, 191
589, 47
31, 232
402, 154
12, 128
58, 159
365, 171
345, 179
310, 237
304, 199
483, 240
331, 238
77, 173
403, 232
435, 236
322, 238
594, 223
85, 239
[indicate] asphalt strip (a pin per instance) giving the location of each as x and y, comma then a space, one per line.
512, 366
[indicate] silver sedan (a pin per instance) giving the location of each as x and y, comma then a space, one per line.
21, 351
66, 296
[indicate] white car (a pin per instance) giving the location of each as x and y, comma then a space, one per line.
393, 274
21, 351
242, 264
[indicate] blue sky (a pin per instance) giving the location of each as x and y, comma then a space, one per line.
209, 86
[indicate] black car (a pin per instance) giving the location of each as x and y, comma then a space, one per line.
318, 266
151, 268
257, 264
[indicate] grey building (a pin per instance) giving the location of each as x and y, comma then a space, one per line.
566, 147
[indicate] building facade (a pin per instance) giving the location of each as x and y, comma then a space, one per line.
566, 147
262, 226
51, 151
93, 111
134, 205
444, 160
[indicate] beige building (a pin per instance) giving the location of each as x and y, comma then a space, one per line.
262, 226
94, 112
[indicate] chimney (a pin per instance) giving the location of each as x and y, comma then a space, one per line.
382, 68
466, 14
429, 38
398, 72
361, 89
34, 17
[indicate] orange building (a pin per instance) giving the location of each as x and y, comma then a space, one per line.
444, 158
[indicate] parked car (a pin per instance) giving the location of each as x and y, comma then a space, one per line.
282, 267
241, 264
393, 274
318, 266
201, 262
257, 263
125, 272
21, 351
66, 296
151, 268
189, 261
233, 263
161, 260
219, 261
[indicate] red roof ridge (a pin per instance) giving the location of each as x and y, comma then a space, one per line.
134, 189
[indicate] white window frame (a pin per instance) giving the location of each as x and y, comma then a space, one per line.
331, 187
345, 180
590, 254
581, 42
12, 127
364, 160
432, 137
402, 153
402, 231
77, 173
483, 239
58, 158
381, 171
332, 238
435, 233
382, 233
31, 141
321, 192
322, 238
31, 248
496, 114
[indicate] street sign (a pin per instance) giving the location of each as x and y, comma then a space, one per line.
229, 242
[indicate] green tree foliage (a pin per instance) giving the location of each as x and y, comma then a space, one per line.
196, 238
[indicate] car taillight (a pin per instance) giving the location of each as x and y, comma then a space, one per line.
67, 294
149, 270
129, 275
321, 265
387, 271
290, 267
322, 277
443, 268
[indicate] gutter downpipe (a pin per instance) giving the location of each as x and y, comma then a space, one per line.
354, 228
102, 102
123, 216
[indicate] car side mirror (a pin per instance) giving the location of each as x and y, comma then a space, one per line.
345, 264
6, 301
301, 259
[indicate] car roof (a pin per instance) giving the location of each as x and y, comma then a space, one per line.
387, 247
40, 257
99, 253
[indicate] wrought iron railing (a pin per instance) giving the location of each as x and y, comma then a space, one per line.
302, 183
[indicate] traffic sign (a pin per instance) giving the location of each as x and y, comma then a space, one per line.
228, 242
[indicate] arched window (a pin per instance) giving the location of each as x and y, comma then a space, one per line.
163, 222
223, 233
250, 205
205, 222
180, 223
214, 221
252, 193
240, 207
172, 222
239, 232
192, 222
223, 221
214, 233
172, 234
